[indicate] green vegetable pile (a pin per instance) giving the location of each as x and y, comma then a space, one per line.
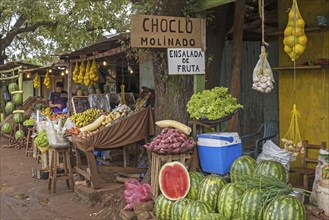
41, 141
29, 122
212, 104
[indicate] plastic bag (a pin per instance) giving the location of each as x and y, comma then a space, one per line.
99, 101
273, 152
136, 193
55, 134
262, 75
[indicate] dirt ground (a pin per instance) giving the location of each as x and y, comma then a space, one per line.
23, 197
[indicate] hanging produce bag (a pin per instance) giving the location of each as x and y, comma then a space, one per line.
262, 75
292, 140
294, 36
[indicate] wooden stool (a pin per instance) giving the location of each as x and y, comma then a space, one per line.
158, 160
54, 154
29, 142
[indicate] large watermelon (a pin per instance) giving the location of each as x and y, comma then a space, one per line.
9, 108
178, 208
18, 117
12, 87
285, 207
174, 180
6, 128
209, 190
271, 168
252, 204
195, 180
229, 200
242, 166
163, 208
212, 216
19, 134
18, 99
196, 210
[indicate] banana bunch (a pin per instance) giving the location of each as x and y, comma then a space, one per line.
86, 117
94, 71
36, 81
86, 79
47, 111
294, 36
82, 71
46, 82
75, 75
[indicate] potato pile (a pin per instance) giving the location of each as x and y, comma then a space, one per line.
295, 149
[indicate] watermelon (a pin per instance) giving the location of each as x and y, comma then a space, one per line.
12, 87
195, 180
229, 200
178, 208
174, 180
6, 128
18, 99
19, 134
9, 108
271, 168
252, 204
285, 207
18, 117
242, 166
196, 210
163, 208
209, 190
212, 216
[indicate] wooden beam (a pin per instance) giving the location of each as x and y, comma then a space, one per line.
19, 68
203, 5
107, 53
239, 13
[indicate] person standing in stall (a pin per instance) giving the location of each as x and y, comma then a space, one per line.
58, 99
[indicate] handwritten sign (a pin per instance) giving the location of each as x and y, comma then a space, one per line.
186, 61
163, 31
80, 103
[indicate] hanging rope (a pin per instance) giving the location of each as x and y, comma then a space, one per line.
262, 17
295, 21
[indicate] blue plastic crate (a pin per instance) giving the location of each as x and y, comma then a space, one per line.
218, 151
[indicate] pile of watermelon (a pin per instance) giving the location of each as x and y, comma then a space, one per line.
196, 196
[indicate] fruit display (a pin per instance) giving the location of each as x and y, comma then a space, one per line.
209, 190
241, 167
29, 122
229, 198
294, 36
112, 117
86, 117
93, 72
212, 104
196, 210
212, 216
174, 124
285, 207
46, 111
9, 108
18, 117
17, 97
170, 175
12, 87
178, 208
93, 126
36, 81
47, 81
252, 204
19, 135
74, 131
56, 117
171, 141
271, 168
195, 180
6, 128
163, 207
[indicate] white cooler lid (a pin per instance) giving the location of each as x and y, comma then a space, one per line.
218, 139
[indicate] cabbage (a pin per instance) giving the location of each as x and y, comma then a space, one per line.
212, 104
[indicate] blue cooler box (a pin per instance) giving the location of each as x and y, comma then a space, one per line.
217, 151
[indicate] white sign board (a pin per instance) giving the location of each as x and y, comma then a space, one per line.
186, 61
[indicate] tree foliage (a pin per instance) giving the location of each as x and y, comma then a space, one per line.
44, 28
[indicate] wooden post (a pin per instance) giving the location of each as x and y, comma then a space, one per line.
69, 87
239, 13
